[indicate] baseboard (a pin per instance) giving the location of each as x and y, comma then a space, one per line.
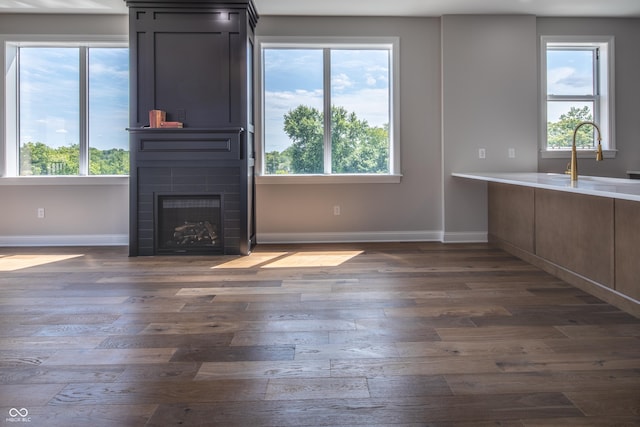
351, 237
66, 240
465, 237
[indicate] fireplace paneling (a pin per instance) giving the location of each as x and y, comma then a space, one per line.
193, 60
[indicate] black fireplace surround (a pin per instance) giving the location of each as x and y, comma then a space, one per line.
194, 166
192, 59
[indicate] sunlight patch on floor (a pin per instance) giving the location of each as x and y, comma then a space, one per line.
252, 260
18, 262
291, 260
314, 259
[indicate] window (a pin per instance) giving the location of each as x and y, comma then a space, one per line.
72, 104
577, 84
328, 108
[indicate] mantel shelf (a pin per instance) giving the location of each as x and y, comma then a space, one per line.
188, 130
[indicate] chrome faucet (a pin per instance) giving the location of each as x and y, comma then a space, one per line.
572, 167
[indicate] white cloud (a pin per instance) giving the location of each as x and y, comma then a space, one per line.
341, 82
568, 81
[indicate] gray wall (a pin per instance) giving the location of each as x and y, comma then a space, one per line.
489, 92
466, 82
409, 210
627, 93
74, 214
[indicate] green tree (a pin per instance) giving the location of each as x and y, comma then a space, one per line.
108, 162
277, 163
37, 158
560, 133
304, 126
356, 146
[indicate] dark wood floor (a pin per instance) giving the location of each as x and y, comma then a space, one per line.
415, 334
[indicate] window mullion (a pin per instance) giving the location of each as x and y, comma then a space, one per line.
84, 111
327, 109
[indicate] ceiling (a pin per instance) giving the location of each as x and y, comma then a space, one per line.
578, 8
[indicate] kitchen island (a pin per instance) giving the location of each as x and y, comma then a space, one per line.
585, 232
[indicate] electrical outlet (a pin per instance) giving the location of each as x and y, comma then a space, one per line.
336, 210
482, 153
512, 153
40, 213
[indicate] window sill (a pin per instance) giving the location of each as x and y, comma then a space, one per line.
582, 154
328, 179
65, 180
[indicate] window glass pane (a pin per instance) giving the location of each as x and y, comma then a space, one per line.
108, 111
49, 111
360, 111
293, 118
570, 72
562, 118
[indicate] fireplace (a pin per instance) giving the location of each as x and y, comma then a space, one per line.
192, 188
189, 224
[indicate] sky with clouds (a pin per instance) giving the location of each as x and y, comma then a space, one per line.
293, 77
568, 73
49, 96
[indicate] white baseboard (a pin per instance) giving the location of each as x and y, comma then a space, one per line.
66, 240
265, 238
351, 237
465, 237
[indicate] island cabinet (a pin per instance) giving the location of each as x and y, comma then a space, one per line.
627, 248
586, 240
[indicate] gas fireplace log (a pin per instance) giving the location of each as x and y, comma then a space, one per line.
211, 230
193, 233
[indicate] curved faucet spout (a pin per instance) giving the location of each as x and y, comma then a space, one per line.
573, 166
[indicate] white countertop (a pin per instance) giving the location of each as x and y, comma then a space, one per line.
617, 188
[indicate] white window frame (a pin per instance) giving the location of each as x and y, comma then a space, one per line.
604, 115
9, 92
390, 43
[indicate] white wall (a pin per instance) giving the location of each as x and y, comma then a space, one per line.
489, 88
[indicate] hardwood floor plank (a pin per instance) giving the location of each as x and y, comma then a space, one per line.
25, 396
616, 402
607, 421
60, 374
409, 386
270, 369
244, 338
343, 351
317, 388
159, 392
368, 412
498, 333
130, 415
372, 368
234, 354
111, 356
474, 348
551, 381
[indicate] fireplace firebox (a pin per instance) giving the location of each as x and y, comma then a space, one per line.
189, 224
